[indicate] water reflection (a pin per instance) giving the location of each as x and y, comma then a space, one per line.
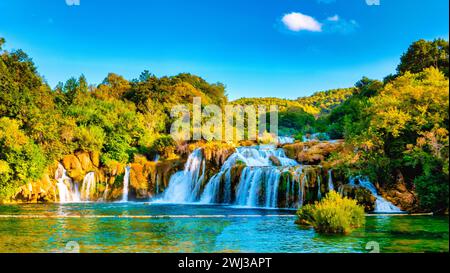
225, 230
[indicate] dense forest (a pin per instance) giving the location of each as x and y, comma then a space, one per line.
397, 128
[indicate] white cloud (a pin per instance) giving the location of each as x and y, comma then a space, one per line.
297, 21
334, 18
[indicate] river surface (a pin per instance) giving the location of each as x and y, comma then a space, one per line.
145, 227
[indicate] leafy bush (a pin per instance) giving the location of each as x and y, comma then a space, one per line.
333, 214
299, 137
164, 146
117, 148
432, 190
20, 159
90, 138
305, 215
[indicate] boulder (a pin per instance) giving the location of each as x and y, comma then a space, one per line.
362, 195
312, 152
148, 178
43, 190
85, 161
400, 195
73, 167
275, 161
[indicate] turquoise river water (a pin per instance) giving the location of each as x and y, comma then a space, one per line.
145, 227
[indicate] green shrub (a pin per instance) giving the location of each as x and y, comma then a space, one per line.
333, 214
89, 138
432, 190
21, 160
305, 215
164, 146
299, 137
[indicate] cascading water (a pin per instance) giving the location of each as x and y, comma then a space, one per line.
250, 177
272, 183
381, 204
68, 190
105, 193
184, 186
259, 180
300, 178
126, 182
211, 192
319, 194
88, 186
315, 136
157, 183
285, 140
330, 180
156, 159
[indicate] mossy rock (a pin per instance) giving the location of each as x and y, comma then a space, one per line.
40, 191
275, 161
73, 167
312, 152
85, 161
139, 181
362, 195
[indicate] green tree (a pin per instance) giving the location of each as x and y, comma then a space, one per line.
20, 159
423, 54
404, 130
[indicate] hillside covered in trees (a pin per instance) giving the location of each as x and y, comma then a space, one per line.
397, 130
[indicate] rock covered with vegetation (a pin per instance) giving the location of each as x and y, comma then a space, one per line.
361, 195
312, 152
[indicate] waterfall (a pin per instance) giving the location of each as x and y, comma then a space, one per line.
157, 183
285, 140
381, 204
156, 159
259, 181
68, 190
330, 180
184, 186
88, 186
126, 182
316, 136
300, 177
105, 193
272, 183
288, 184
259, 169
319, 194
211, 192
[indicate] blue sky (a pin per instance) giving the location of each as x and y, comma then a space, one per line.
257, 48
